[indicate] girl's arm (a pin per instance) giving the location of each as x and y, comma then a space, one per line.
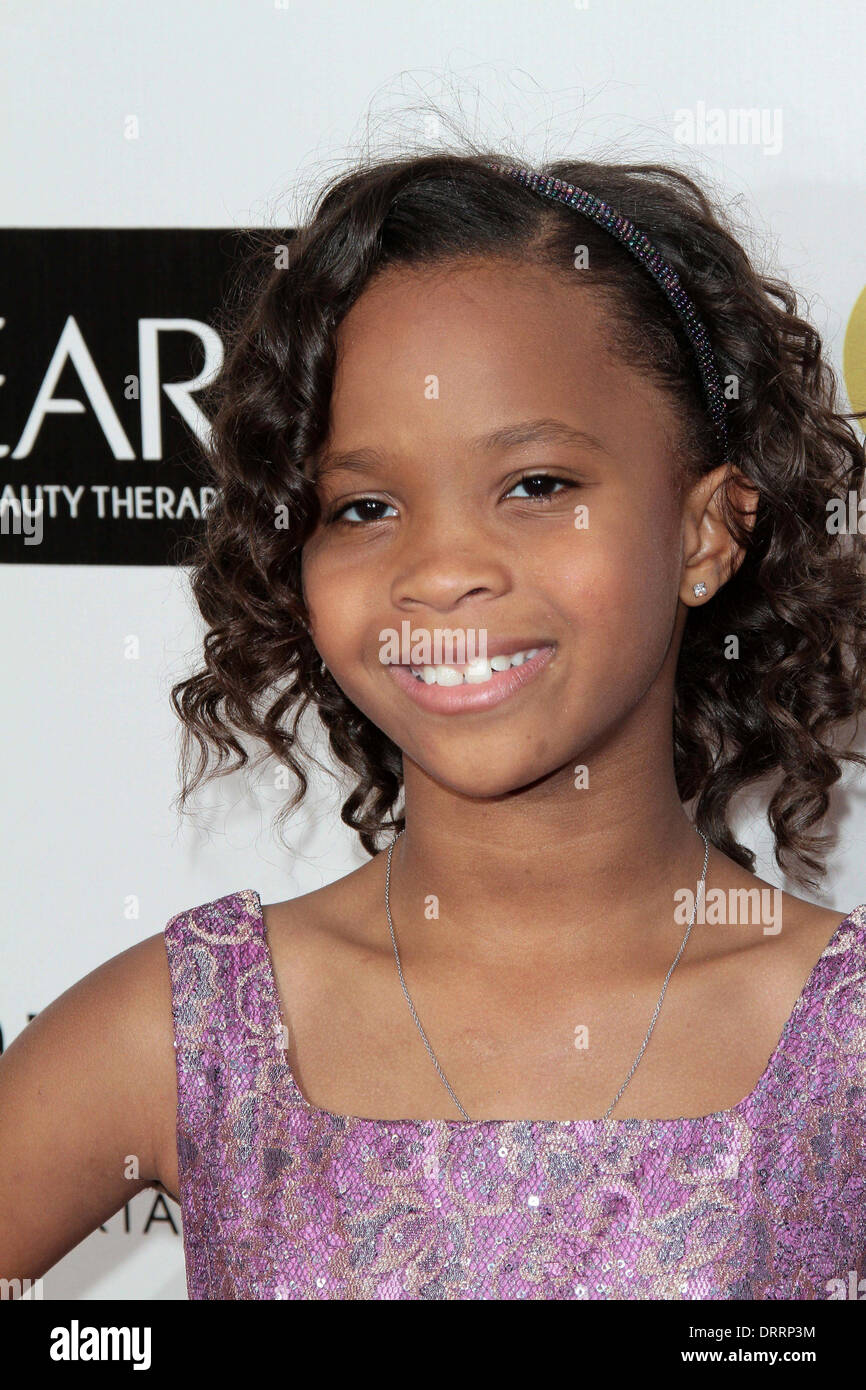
87, 1097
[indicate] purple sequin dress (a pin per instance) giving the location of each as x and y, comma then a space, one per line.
280, 1199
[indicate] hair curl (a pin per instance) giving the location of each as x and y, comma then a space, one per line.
797, 601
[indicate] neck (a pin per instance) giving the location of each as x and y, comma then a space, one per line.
547, 866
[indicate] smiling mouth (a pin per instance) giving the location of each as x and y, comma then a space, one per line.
477, 685
476, 672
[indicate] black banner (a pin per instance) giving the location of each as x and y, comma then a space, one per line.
106, 337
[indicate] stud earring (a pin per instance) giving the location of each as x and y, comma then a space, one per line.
700, 589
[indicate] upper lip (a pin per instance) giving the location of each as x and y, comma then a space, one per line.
496, 646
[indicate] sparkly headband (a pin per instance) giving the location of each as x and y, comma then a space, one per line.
640, 246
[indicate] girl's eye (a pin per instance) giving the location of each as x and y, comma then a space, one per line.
365, 505
540, 485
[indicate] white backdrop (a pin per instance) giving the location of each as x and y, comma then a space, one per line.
238, 105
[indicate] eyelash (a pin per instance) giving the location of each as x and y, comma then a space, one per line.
338, 515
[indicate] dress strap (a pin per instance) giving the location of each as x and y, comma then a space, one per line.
227, 1038
820, 1056
223, 996
835, 995
227, 1027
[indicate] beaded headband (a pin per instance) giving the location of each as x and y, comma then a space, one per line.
643, 250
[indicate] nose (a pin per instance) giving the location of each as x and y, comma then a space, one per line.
441, 570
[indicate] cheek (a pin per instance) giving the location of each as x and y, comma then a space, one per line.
616, 586
341, 600
334, 601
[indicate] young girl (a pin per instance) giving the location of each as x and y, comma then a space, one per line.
555, 1040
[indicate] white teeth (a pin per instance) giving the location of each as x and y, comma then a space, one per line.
476, 672
446, 675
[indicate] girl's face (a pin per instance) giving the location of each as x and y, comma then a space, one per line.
436, 523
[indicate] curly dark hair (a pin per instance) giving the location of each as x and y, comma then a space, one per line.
797, 601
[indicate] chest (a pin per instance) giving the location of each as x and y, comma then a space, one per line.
554, 1053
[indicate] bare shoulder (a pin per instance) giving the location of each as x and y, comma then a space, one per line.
325, 945
342, 917
117, 1019
811, 928
764, 939
83, 1091
122, 1013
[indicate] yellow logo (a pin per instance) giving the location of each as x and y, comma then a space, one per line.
854, 356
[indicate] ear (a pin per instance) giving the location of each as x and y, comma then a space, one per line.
710, 553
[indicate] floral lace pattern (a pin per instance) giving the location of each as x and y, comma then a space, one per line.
280, 1199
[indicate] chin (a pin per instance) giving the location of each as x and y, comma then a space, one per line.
484, 779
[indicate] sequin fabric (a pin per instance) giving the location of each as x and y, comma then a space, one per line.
282, 1200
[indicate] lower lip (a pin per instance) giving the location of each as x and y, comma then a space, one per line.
462, 699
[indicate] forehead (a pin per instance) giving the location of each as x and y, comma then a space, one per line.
455, 348
459, 306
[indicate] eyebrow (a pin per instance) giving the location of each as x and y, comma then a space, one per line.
543, 431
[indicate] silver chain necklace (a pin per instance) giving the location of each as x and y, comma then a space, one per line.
636, 1061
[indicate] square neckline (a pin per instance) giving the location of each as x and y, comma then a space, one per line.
599, 1124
